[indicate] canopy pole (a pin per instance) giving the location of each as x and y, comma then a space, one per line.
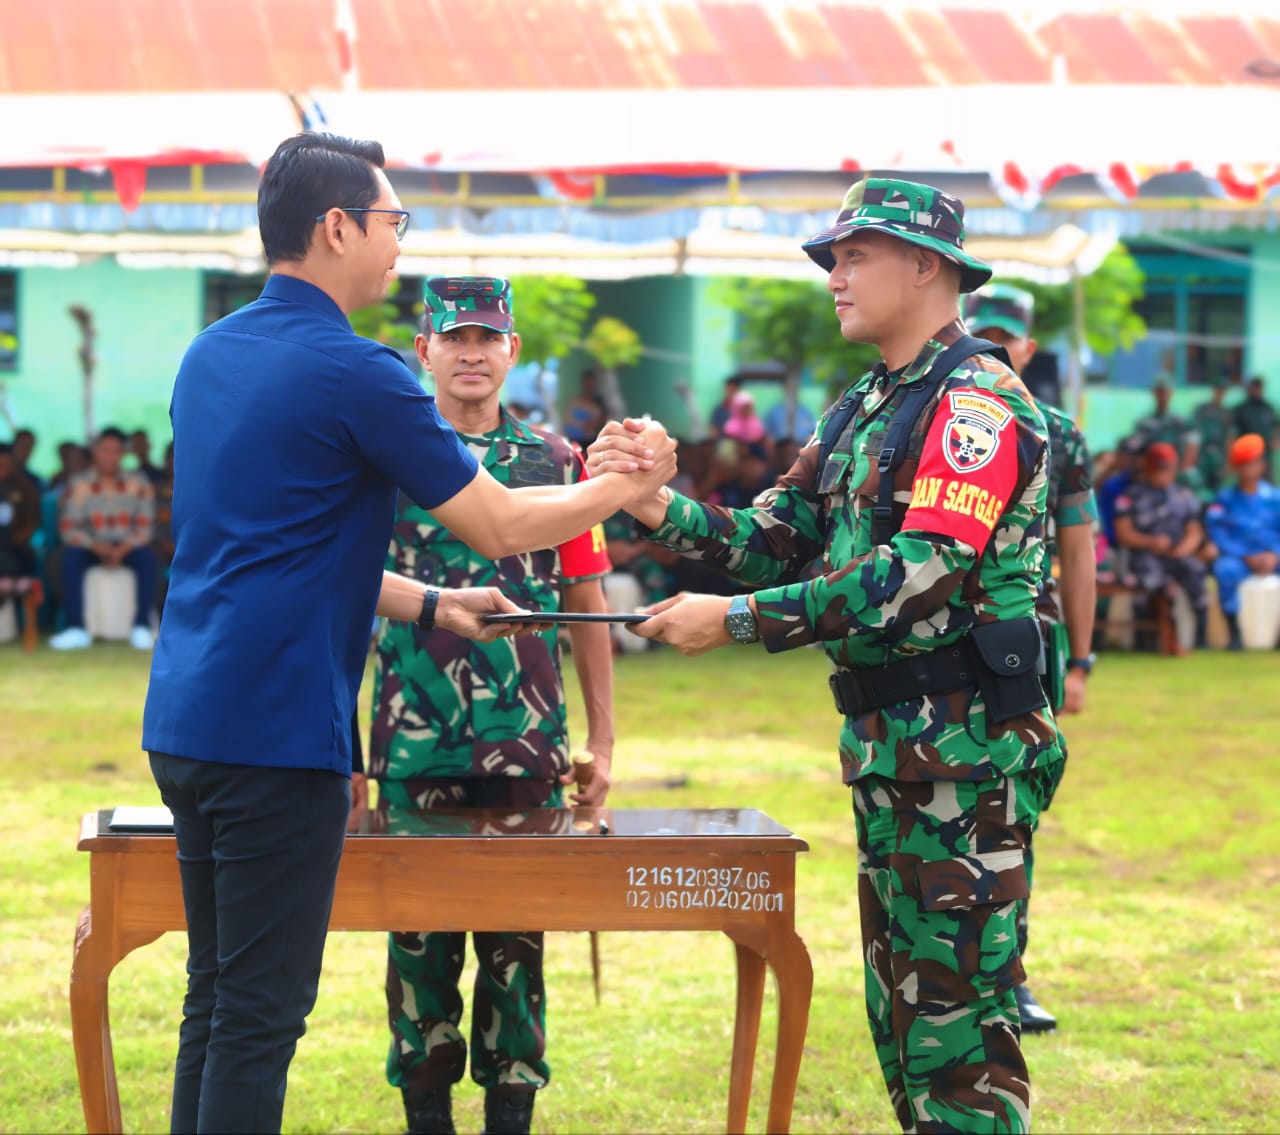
1075, 371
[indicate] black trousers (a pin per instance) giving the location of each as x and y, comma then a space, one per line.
258, 849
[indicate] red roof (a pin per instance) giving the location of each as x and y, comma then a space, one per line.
70, 46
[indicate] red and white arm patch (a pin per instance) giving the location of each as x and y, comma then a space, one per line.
587, 554
967, 469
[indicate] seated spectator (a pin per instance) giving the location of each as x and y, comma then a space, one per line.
778, 428
584, 413
140, 447
720, 415
1158, 520
24, 445
73, 460
1113, 482
639, 576
107, 518
19, 518
1244, 523
785, 453
162, 532
744, 423
750, 476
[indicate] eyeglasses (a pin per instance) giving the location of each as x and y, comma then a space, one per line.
402, 224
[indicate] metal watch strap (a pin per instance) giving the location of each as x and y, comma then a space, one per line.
427, 617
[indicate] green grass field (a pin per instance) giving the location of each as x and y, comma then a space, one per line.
1154, 926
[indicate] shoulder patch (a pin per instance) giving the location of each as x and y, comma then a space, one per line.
975, 421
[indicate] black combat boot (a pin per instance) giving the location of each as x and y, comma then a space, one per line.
1034, 1018
508, 1109
429, 1111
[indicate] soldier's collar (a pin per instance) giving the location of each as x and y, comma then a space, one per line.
512, 429
920, 365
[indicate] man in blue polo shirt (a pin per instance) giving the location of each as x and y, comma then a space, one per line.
291, 437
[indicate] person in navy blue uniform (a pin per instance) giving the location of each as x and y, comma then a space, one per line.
1243, 522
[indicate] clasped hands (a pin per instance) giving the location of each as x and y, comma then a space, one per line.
693, 624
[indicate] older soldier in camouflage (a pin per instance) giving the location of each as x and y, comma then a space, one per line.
948, 760
1002, 314
460, 725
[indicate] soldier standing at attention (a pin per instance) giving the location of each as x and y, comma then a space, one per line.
1213, 422
1003, 314
923, 490
468, 725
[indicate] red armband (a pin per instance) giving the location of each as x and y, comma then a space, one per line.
967, 469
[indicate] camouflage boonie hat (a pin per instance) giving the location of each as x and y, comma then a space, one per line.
1003, 306
456, 301
913, 212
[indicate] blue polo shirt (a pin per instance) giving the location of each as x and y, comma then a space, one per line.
291, 435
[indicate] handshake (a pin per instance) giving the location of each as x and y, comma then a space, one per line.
642, 447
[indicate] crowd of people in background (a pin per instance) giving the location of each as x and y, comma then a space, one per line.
106, 505
1185, 500
1181, 501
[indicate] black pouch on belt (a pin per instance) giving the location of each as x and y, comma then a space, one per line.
1008, 656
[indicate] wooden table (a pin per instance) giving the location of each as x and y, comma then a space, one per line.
731, 870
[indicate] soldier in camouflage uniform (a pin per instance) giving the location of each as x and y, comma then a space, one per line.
949, 764
1212, 421
462, 725
1003, 314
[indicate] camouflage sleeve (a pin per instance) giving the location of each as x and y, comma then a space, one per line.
769, 542
1075, 495
962, 508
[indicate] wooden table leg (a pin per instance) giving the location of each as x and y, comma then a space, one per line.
746, 1030
91, 965
31, 611
793, 971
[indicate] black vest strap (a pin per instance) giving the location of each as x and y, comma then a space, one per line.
918, 396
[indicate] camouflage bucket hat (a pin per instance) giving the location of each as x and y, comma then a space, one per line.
456, 301
913, 212
1003, 306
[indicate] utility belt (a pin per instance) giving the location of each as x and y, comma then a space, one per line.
1002, 659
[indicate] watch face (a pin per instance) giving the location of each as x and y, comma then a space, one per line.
741, 625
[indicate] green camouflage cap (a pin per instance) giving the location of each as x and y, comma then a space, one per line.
1000, 305
913, 212
456, 301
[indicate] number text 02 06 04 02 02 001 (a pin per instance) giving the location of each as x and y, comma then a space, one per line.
667, 887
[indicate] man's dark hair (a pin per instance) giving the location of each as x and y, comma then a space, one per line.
111, 431
308, 175
6, 449
24, 432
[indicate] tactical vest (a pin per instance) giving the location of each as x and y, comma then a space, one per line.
1002, 658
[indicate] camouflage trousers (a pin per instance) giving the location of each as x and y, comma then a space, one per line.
424, 969
941, 881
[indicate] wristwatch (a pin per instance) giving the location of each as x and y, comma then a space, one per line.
1085, 664
740, 622
427, 617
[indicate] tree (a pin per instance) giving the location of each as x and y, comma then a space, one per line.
1107, 296
550, 313
384, 322
793, 323
612, 344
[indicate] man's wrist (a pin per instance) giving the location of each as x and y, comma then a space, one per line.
430, 612
1084, 664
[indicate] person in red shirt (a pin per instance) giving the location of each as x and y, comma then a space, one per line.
106, 518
